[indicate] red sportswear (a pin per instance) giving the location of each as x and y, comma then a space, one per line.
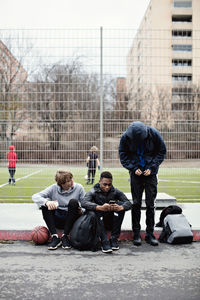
11, 157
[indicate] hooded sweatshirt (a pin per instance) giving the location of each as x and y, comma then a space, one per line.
97, 197
11, 157
56, 193
141, 147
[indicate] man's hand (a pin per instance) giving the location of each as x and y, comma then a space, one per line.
147, 172
51, 205
116, 207
138, 172
80, 211
105, 207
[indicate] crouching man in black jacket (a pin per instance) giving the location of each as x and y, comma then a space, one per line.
110, 205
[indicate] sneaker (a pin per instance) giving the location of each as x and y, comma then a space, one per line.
137, 239
150, 239
114, 244
55, 243
105, 247
65, 242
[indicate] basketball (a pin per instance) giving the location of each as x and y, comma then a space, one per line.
40, 235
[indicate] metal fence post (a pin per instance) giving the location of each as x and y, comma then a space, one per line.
101, 97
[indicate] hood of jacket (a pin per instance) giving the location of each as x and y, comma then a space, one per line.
11, 148
137, 131
69, 191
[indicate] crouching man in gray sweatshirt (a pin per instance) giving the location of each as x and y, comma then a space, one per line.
61, 207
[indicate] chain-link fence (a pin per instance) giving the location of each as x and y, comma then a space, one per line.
64, 90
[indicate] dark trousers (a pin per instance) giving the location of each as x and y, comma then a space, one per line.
138, 185
91, 172
12, 173
110, 221
61, 219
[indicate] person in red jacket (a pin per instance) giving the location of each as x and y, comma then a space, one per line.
12, 159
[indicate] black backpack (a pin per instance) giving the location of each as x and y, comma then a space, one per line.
169, 210
84, 234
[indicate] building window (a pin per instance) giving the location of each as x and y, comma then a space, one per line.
181, 33
181, 62
182, 77
182, 18
182, 4
187, 48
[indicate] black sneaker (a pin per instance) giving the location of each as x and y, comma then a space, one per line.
150, 239
65, 242
55, 243
114, 244
105, 247
137, 239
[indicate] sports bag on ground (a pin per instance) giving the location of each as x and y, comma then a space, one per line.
176, 230
84, 234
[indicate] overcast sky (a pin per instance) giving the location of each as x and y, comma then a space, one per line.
71, 13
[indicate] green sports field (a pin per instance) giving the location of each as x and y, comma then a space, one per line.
183, 183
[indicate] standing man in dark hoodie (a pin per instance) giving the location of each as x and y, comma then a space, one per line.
141, 151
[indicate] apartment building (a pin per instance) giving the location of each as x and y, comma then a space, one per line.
12, 74
13, 79
164, 59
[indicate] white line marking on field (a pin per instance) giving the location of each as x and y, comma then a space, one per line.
29, 175
171, 180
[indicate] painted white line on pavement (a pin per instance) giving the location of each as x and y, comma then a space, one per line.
29, 175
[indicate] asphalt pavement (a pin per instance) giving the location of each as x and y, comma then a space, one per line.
166, 272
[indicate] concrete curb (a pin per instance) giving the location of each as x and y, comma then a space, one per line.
25, 235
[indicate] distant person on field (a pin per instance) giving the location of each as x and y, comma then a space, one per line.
92, 163
110, 205
141, 151
61, 207
12, 159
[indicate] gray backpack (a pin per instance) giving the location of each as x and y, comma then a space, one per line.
176, 230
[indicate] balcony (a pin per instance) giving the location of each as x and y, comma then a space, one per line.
182, 7
181, 69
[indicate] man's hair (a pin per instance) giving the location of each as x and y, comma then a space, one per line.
106, 174
62, 176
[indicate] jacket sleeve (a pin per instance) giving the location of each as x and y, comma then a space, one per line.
161, 152
88, 201
81, 194
125, 201
125, 156
42, 197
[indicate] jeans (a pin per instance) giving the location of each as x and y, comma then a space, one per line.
91, 172
110, 221
61, 219
138, 185
12, 173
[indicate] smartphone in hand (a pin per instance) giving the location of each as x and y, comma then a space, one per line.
112, 201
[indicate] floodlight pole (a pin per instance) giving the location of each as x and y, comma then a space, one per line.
101, 98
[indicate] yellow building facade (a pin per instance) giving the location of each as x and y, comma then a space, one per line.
163, 63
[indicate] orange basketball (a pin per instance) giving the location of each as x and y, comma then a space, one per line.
40, 235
